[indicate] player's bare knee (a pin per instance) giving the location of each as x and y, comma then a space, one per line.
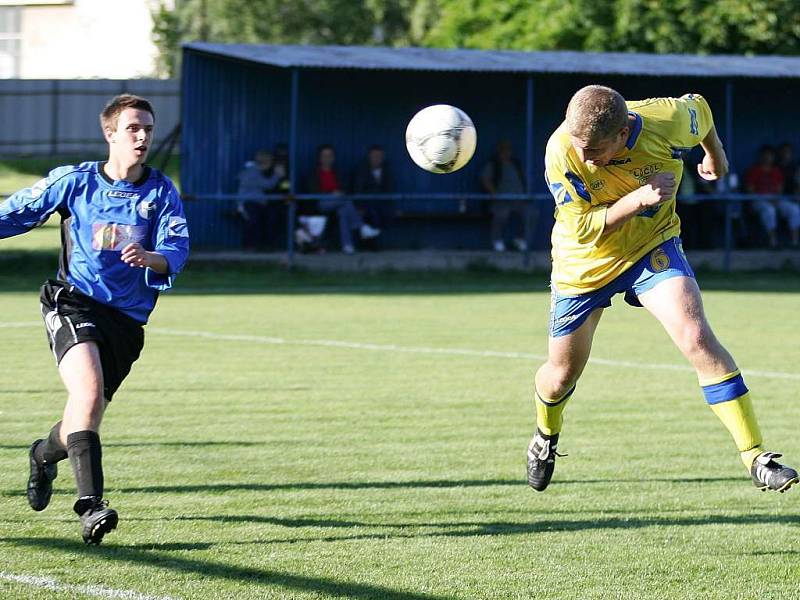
86, 407
560, 379
696, 339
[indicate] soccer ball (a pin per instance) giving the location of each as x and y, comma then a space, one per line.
441, 138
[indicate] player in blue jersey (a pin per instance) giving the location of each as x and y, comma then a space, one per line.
124, 238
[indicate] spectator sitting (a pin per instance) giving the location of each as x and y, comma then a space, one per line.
281, 158
258, 177
372, 176
503, 175
766, 178
325, 180
789, 168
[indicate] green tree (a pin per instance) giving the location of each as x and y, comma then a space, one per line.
347, 22
681, 26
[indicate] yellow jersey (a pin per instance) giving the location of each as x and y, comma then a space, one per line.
585, 258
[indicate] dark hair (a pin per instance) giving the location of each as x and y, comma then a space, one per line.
110, 115
322, 147
375, 147
766, 148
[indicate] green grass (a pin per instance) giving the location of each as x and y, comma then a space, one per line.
244, 468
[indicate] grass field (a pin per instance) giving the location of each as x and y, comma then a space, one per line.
315, 436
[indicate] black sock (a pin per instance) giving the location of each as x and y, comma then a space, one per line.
51, 450
86, 457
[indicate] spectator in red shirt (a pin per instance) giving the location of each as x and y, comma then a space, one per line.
765, 177
325, 180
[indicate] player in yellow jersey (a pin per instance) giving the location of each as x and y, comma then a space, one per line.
613, 168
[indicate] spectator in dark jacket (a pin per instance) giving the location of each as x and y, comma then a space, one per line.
788, 166
503, 175
372, 176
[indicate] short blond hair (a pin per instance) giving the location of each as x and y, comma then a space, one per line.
596, 112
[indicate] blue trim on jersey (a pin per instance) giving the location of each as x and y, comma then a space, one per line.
726, 391
100, 217
635, 131
664, 262
579, 186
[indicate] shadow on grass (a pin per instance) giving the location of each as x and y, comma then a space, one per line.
222, 488
149, 556
440, 529
494, 528
132, 391
386, 485
172, 444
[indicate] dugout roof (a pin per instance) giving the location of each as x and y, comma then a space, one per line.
505, 61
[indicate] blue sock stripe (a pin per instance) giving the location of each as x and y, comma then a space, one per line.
725, 391
564, 398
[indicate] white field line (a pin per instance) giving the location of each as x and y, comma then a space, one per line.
20, 325
447, 351
98, 591
277, 341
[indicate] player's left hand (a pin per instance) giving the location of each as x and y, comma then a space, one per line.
713, 167
134, 255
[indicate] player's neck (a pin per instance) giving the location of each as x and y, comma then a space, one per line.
120, 172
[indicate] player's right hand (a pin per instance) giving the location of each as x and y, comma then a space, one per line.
659, 188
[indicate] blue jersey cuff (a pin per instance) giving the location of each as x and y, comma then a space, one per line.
158, 281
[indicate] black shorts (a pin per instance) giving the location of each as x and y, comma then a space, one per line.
71, 318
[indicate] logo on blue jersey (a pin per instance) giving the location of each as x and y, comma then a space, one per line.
146, 209
178, 227
121, 194
113, 236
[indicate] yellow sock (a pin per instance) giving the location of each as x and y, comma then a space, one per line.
548, 412
729, 398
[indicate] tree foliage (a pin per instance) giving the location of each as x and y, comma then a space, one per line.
346, 22
680, 26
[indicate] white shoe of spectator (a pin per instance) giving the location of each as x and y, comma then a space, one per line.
368, 232
499, 246
348, 249
521, 245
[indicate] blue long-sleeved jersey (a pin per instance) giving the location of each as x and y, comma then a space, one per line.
99, 217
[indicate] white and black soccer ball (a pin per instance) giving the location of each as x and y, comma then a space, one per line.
441, 138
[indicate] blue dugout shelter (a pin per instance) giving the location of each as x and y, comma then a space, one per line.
240, 98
